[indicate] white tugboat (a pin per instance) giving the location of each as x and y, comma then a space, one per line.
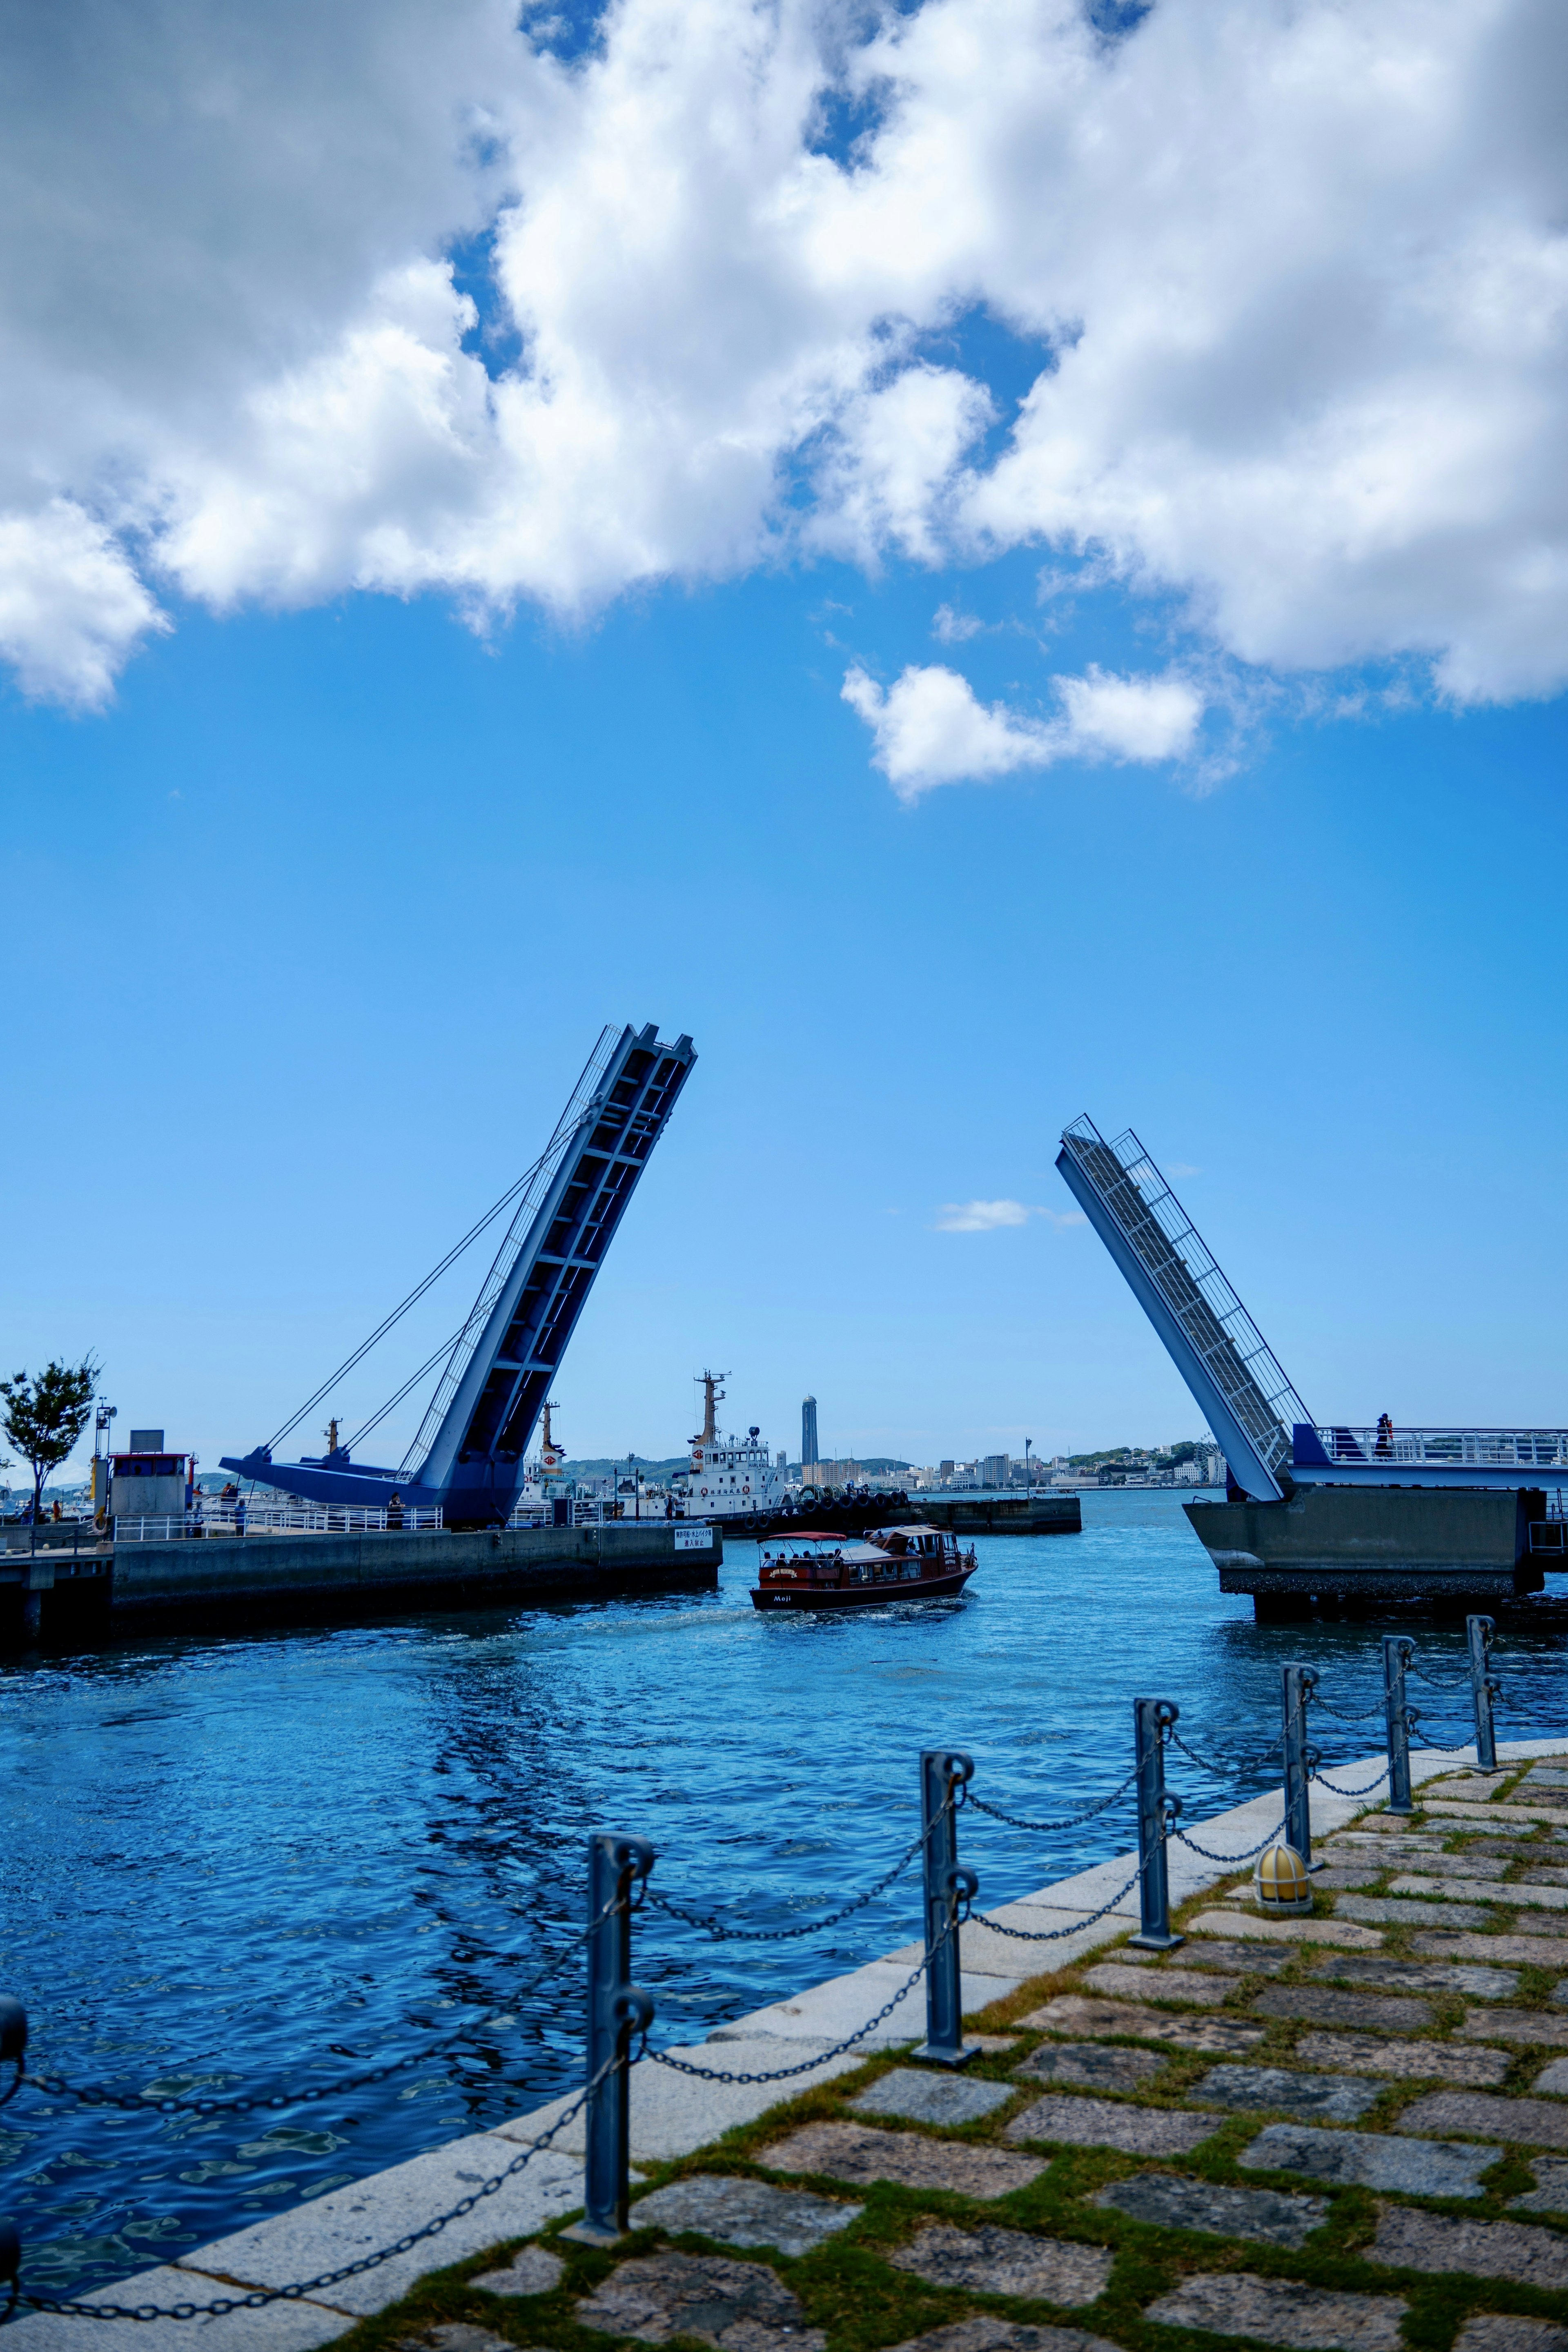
731, 1478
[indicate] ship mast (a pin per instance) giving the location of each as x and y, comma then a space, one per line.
713, 1394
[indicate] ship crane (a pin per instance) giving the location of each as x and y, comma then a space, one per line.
500, 1365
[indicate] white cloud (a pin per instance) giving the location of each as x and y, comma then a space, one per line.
951, 628
1296, 271
981, 1216
991, 1216
930, 730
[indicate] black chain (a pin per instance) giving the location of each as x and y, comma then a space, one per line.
1229, 1857
1336, 1790
783, 2073
1436, 1682
1225, 1772
1055, 1934
714, 1925
1069, 1821
258, 2102
261, 2297
1339, 1715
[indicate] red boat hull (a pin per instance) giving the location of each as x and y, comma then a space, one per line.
860, 1596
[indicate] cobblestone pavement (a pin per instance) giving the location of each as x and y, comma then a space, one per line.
1333, 2142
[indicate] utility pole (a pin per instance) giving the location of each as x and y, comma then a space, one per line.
1027, 1443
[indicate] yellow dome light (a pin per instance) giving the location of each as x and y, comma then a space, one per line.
1280, 1881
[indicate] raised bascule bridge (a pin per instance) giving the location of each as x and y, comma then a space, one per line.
1318, 1517
466, 1459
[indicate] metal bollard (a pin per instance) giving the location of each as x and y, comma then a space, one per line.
1298, 1684
1397, 1652
1478, 1632
1157, 1810
616, 2009
10, 2263
943, 1772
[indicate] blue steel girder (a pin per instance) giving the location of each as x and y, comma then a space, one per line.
1210, 1337
489, 1402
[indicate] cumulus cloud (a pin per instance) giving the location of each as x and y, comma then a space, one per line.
378, 296
991, 1216
930, 727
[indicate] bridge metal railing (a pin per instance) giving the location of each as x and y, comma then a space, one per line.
1482, 1449
217, 1519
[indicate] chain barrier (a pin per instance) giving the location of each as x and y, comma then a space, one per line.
1069, 1821
1365, 1717
1224, 1772
1055, 1934
1229, 1857
822, 2057
1436, 1682
261, 2297
89, 2095
1336, 1790
714, 1925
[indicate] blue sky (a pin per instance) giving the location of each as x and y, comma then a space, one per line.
322, 916
973, 593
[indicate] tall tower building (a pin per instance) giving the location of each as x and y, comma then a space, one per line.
807, 1432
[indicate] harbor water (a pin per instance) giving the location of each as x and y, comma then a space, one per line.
264, 1860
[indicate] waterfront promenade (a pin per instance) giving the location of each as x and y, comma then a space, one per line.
1352, 2116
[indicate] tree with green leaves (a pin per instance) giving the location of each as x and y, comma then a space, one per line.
42, 1418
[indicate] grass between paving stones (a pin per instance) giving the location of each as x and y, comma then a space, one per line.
848, 2287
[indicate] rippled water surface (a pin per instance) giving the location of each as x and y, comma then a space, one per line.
262, 1861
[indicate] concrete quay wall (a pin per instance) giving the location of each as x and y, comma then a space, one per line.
672, 2116
225, 1578
1019, 1515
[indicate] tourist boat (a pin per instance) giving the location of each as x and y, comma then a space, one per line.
817, 1569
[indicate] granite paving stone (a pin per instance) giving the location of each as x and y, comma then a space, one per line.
992, 2261
1537, 1951
1408, 2238
1282, 2310
1508, 2331
1541, 1875
1521, 1845
1456, 1812
1550, 2194
1348, 1874
1425, 1976
1365, 2054
1371, 2160
533, 2270
1114, 1977
1533, 2122
1321, 2006
1094, 2065
744, 2213
1546, 1776
742, 2306
1334, 2098
1450, 1865
1553, 2079
1099, 2123
1315, 1930
1479, 1786
1235, 1959
452, 2335
1073, 2014
1514, 2025
1550, 1898
931, 2098
1389, 1912
1004, 2336
859, 2153
1170, 2203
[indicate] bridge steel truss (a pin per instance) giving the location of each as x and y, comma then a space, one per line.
471, 1444
1208, 1334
